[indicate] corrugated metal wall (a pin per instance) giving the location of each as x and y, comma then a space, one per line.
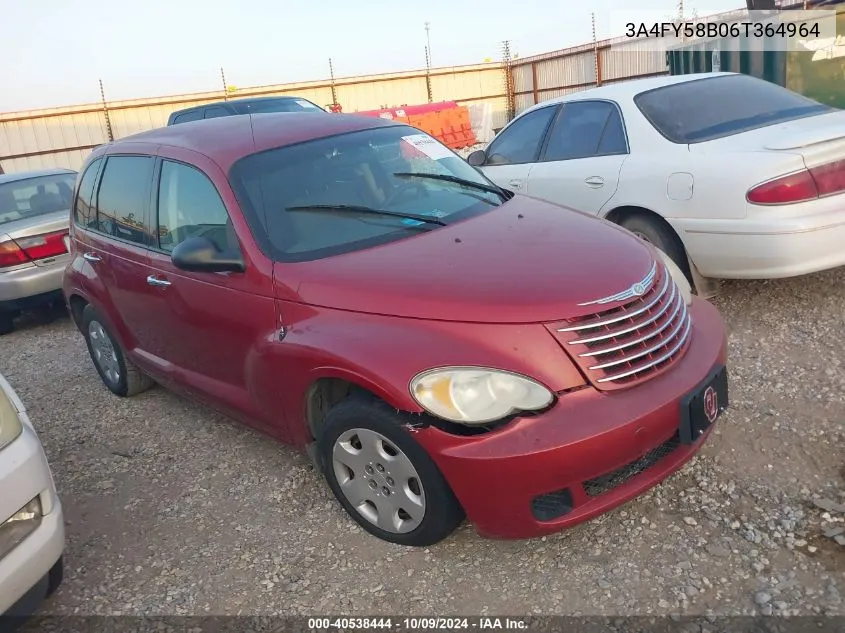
62, 137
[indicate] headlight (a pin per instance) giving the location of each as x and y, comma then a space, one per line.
474, 395
10, 423
678, 277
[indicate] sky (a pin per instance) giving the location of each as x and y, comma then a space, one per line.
53, 52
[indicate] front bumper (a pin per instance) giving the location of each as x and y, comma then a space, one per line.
501, 478
24, 475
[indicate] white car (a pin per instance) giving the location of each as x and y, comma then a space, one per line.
732, 176
32, 529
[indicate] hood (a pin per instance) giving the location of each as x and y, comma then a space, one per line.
526, 261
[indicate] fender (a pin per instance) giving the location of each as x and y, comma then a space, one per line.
382, 354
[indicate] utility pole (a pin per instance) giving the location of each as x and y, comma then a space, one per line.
428, 42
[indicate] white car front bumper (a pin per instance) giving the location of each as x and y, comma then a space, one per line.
24, 476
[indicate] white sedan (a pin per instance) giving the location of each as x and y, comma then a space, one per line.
32, 530
733, 177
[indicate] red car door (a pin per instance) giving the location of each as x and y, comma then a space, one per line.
111, 248
209, 325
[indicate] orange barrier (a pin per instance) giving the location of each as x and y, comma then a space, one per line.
447, 122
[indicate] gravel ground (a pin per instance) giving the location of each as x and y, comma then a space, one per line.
172, 509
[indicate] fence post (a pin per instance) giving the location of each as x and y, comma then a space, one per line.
596, 54
225, 87
428, 74
508, 77
334, 91
106, 112
534, 85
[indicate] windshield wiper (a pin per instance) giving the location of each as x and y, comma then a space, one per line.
457, 180
362, 209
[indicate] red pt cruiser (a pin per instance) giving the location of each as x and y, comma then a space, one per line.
441, 347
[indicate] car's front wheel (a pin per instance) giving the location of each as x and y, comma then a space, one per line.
118, 374
383, 477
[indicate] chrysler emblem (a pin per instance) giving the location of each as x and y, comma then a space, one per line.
637, 290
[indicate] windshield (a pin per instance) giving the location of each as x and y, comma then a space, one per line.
707, 109
369, 185
277, 105
31, 197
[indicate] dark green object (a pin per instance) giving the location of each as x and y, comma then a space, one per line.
822, 79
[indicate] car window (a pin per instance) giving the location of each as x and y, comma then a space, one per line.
123, 197
520, 141
215, 111
579, 130
613, 139
83, 210
355, 168
191, 115
277, 105
36, 196
189, 205
715, 107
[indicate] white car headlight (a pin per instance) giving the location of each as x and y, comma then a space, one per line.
10, 423
475, 395
678, 276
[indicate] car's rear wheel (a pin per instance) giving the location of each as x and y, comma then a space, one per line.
659, 234
383, 478
118, 374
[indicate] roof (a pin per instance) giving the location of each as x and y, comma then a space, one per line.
24, 175
226, 139
630, 88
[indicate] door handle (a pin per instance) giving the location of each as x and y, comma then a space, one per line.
515, 183
594, 181
92, 257
155, 281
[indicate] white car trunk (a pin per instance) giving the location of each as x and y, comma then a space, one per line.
816, 139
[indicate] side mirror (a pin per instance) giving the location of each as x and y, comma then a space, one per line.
477, 158
198, 254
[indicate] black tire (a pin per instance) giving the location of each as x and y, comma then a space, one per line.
660, 235
7, 322
442, 514
131, 380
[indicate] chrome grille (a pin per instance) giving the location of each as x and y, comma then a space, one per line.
634, 341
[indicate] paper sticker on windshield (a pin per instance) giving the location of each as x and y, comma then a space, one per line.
427, 146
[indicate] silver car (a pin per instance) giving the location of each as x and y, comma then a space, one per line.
34, 218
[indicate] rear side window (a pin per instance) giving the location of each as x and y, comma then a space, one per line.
585, 129
191, 115
278, 105
520, 142
189, 205
216, 111
707, 109
123, 197
83, 211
